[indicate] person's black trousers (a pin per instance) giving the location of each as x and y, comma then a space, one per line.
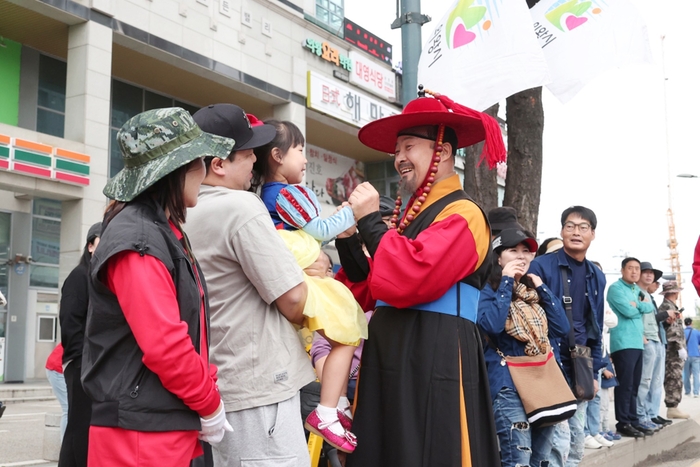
74, 448
628, 367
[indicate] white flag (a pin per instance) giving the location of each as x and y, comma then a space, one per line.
580, 39
482, 51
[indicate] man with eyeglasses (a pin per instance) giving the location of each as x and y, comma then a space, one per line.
585, 286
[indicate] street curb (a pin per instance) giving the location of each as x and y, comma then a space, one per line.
629, 451
42, 462
16, 400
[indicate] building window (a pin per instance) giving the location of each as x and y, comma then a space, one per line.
129, 100
51, 103
47, 329
46, 243
384, 178
329, 15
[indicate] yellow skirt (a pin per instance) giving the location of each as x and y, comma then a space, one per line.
330, 306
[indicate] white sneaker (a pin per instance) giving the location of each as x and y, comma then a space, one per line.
602, 441
591, 443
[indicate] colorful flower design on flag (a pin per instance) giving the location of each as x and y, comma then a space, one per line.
462, 20
567, 15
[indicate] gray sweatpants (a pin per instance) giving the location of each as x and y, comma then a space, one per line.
267, 436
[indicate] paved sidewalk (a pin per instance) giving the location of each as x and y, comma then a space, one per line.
22, 427
679, 440
627, 452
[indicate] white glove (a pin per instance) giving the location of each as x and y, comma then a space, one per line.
683, 354
213, 429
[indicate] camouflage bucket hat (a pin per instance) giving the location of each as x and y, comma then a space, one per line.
157, 142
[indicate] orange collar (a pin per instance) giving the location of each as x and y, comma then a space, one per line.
441, 189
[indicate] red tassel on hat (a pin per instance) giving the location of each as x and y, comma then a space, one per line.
494, 150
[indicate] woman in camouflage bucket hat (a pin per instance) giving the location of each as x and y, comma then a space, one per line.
146, 354
155, 143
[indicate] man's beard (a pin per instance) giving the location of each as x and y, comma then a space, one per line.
407, 188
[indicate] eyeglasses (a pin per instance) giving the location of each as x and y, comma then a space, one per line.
583, 227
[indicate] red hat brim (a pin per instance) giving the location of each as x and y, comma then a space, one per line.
382, 134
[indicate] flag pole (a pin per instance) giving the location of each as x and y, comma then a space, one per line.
672, 241
410, 21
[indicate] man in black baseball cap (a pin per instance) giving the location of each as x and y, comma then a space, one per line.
256, 289
231, 121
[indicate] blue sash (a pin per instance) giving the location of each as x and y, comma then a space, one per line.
460, 300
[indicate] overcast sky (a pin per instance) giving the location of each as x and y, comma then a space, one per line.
606, 148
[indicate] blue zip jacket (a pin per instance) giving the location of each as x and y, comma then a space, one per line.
692, 337
493, 311
548, 268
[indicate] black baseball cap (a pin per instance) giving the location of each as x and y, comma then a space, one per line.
230, 121
509, 238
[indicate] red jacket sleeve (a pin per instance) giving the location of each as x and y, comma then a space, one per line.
407, 272
147, 296
696, 267
360, 290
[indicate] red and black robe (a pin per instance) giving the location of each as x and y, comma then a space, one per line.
423, 397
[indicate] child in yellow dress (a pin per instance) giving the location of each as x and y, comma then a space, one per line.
330, 307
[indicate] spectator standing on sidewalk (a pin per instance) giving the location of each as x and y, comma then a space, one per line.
54, 373
597, 410
72, 314
692, 365
586, 286
676, 351
502, 218
146, 355
256, 291
660, 319
608, 379
520, 316
696, 267
654, 354
629, 303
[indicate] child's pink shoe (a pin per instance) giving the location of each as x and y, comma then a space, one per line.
345, 442
344, 420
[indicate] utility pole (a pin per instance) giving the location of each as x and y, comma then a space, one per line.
672, 242
410, 21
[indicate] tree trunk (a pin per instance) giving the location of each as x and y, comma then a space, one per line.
480, 182
525, 124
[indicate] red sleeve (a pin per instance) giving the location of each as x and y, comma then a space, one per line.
696, 267
360, 290
54, 362
408, 272
147, 296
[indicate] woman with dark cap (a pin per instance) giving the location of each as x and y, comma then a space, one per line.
72, 315
146, 355
520, 316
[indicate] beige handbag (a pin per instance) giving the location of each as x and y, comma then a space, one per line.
543, 390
